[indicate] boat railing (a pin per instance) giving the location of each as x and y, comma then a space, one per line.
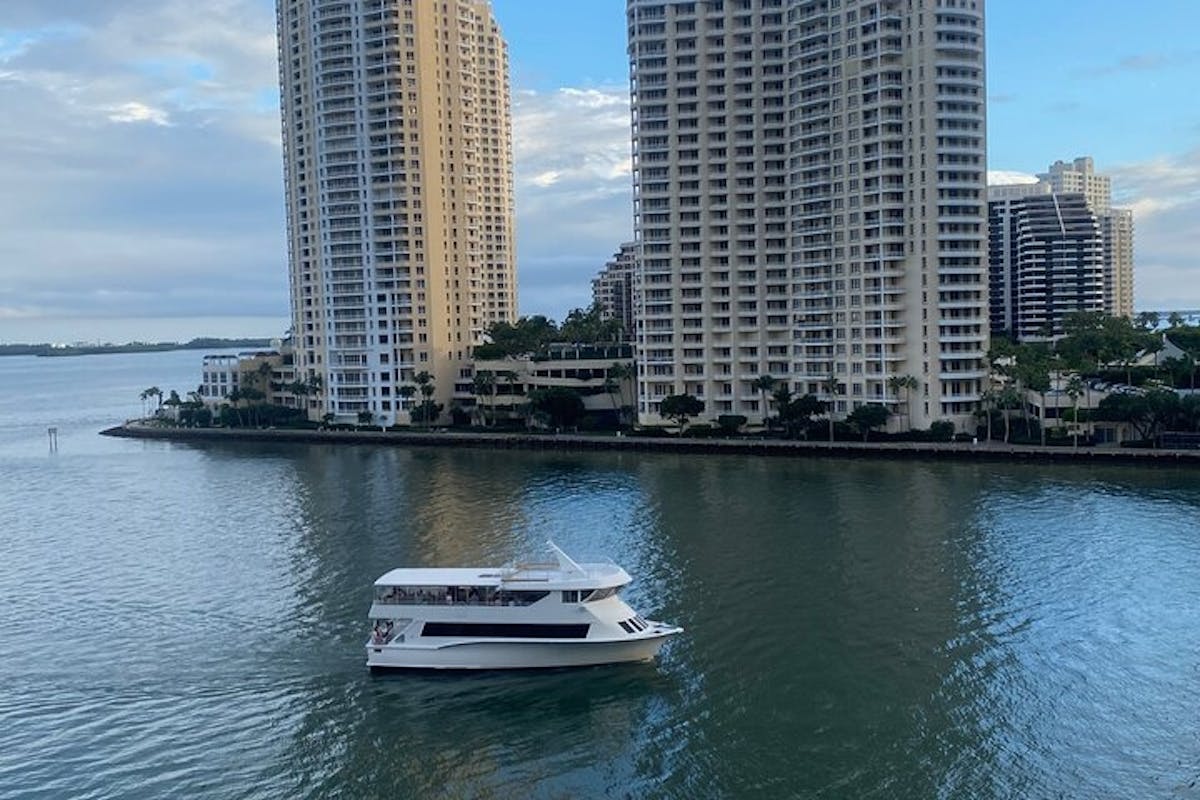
485, 598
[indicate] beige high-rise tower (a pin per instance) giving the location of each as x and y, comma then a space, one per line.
398, 164
810, 203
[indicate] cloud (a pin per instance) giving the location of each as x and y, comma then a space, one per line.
1142, 62
139, 112
573, 191
1005, 177
1164, 194
140, 162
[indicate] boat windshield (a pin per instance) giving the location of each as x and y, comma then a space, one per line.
455, 595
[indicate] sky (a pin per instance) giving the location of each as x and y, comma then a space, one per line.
141, 190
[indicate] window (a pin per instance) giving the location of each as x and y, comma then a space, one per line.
504, 631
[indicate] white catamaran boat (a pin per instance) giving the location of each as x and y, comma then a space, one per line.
556, 614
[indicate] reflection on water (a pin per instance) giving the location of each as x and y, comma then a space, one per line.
183, 620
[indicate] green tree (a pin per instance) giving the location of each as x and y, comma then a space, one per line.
680, 408
1148, 320
589, 327
365, 417
1175, 319
526, 336
427, 412
730, 424
868, 417
563, 406
1146, 412
799, 412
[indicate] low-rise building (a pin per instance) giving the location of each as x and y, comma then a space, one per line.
602, 374
269, 372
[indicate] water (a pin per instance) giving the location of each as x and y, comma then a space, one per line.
180, 620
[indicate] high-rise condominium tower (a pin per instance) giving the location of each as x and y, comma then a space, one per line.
1046, 253
1080, 177
397, 153
614, 288
809, 182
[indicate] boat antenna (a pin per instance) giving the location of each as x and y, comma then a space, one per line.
565, 562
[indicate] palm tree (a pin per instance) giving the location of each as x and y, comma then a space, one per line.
906, 383
425, 385
510, 380
1075, 388
235, 398
1009, 397
264, 375
1155, 345
254, 398
830, 387
987, 402
764, 384
407, 392
153, 391
622, 372
485, 383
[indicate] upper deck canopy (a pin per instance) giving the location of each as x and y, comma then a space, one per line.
562, 573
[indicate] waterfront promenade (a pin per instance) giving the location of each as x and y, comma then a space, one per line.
955, 451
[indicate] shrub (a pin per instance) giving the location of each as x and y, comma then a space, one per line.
652, 431
702, 431
731, 423
941, 431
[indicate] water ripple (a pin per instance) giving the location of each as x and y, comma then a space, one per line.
188, 621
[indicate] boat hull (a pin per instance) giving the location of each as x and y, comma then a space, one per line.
476, 655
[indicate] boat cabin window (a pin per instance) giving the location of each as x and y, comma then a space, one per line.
454, 595
587, 595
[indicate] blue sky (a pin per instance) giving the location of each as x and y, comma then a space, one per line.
143, 190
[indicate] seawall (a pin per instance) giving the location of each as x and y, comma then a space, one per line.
765, 447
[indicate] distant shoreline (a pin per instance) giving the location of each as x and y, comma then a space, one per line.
937, 451
61, 351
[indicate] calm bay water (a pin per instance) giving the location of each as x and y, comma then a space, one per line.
180, 620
